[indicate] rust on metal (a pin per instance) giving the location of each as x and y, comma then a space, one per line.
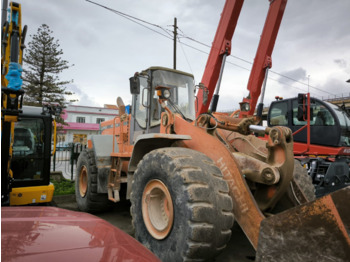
240, 125
245, 209
83, 183
256, 170
157, 209
316, 231
270, 161
114, 179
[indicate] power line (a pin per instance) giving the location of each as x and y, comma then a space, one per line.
169, 36
188, 62
246, 61
132, 19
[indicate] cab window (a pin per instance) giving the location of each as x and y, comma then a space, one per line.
279, 114
141, 101
321, 116
28, 150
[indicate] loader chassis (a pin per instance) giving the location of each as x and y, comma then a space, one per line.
187, 168
133, 150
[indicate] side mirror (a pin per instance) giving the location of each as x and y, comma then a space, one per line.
303, 108
301, 113
134, 85
302, 99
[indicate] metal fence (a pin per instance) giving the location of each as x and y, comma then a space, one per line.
65, 159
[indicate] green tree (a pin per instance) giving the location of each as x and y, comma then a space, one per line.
42, 66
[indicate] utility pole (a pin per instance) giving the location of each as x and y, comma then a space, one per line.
175, 38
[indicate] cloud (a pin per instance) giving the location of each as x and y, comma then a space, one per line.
340, 62
107, 49
342, 87
298, 74
83, 98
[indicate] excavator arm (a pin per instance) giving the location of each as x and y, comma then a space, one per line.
12, 43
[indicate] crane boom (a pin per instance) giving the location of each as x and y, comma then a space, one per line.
221, 45
263, 59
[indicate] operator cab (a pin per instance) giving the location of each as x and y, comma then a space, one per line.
31, 148
146, 109
330, 125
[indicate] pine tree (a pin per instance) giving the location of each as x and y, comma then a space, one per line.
42, 66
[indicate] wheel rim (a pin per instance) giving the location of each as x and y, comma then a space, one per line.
157, 209
83, 181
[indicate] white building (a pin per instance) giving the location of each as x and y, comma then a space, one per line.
84, 121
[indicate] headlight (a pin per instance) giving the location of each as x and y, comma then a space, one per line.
166, 93
163, 92
245, 107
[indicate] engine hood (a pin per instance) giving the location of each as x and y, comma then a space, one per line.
54, 234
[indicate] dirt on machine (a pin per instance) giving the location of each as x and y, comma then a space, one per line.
190, 173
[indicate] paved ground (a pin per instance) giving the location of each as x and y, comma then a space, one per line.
237, 250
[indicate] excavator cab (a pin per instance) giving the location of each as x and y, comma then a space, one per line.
31, 156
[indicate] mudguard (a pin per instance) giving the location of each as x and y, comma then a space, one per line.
103, 147
148, 142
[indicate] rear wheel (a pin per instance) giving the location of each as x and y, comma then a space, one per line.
86, 195
180, 205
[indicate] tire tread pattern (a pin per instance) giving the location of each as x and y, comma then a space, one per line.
202, 206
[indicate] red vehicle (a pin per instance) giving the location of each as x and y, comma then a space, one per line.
54, 234
322, 144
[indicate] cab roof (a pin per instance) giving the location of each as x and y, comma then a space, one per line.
154, 68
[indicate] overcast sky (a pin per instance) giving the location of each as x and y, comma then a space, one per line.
106, 49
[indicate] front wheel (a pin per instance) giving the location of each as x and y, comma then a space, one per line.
180, 205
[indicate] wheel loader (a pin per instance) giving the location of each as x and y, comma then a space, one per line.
189, 173
189, 178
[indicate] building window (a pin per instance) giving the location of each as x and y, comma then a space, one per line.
80, 119
99, 120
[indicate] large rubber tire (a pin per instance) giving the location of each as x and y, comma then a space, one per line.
290, 199
88, 199
202, 209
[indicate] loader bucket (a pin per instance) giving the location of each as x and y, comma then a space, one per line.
316, 231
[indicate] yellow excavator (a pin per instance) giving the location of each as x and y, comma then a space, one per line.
25, 131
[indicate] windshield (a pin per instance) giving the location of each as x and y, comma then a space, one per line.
28, 149
344, 122
182, 94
